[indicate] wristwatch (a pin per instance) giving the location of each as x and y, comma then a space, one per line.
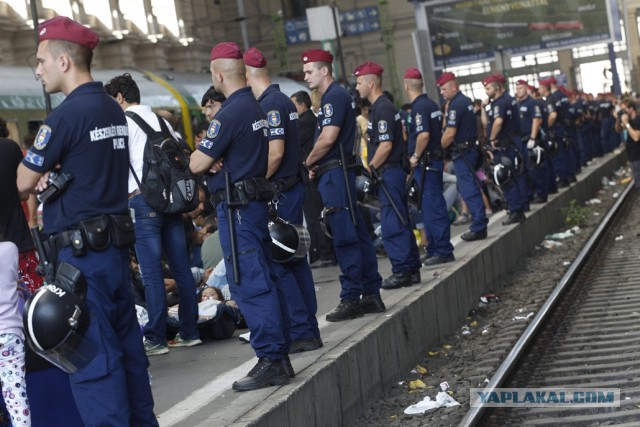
627, 125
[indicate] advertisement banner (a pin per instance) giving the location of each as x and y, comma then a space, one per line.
473, 30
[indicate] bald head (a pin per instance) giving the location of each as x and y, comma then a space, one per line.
228, 75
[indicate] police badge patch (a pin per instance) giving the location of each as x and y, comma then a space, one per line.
42, 138
213, 130
418, 119
382, 126
452, 115
273, 117
328, 110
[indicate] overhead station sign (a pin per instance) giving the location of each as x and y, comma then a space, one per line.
473, 30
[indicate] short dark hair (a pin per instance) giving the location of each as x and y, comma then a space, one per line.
302, 97
81, 55
124, 85
212, 95
629, 103
4, 130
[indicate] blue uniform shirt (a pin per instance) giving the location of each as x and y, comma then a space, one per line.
557, 102
338, 109
88, 135
385, 126
238, 134
282, 117
501, 107
460, 115
425, 117
529, 109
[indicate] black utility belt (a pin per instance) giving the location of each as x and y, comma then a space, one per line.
431, 156
96, 234
285, 184
463, 147
334, 164
245, 191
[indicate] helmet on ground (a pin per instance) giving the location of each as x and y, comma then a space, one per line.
537, 156
503, 171
55, 320
288, 241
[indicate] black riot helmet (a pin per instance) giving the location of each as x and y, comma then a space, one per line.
518, 162
365, 187
54, 321
503, 171
537, 156
288, 241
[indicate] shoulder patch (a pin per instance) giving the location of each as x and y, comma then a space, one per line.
418, 119
273, 117
34, 159
382, 126
327, 109
42, 138
452, 115
214, 129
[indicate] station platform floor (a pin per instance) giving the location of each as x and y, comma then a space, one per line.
361, 357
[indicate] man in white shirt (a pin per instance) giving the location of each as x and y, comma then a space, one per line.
156, 232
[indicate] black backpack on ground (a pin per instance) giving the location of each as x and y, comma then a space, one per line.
167, 184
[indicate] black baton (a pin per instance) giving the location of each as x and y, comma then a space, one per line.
45, 268
352, 210
232, 229
378, 178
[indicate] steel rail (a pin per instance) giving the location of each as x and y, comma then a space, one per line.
535, 327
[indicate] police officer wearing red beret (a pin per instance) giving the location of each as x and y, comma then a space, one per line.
387, 155
427, 159
336, 127
557, 105
502, 132
460, 138
238, 134
284, 170
87, 135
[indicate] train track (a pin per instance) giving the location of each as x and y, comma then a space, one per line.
584, 335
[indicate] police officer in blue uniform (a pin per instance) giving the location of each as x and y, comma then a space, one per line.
87, 137
284, 171
336, 182
386, 154
424, 126
238, 136
531, 123
500, 132
460, 137
556, 106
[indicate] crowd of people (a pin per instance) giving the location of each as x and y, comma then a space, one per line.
264, 158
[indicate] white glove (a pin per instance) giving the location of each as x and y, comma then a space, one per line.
531, 144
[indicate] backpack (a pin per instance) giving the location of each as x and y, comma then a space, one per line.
167, 184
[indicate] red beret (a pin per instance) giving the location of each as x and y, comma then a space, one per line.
548, 81
317, 55
522, 82
226, 50
413, 73
498, 78
254, 58
444, 78
532, 88
368, 68
63, 28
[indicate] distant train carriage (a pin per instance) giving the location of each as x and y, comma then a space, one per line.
22, 102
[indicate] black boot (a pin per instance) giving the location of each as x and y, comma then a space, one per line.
288, 367
372, 304
347, 309
397, 280
266, 373
514, 218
